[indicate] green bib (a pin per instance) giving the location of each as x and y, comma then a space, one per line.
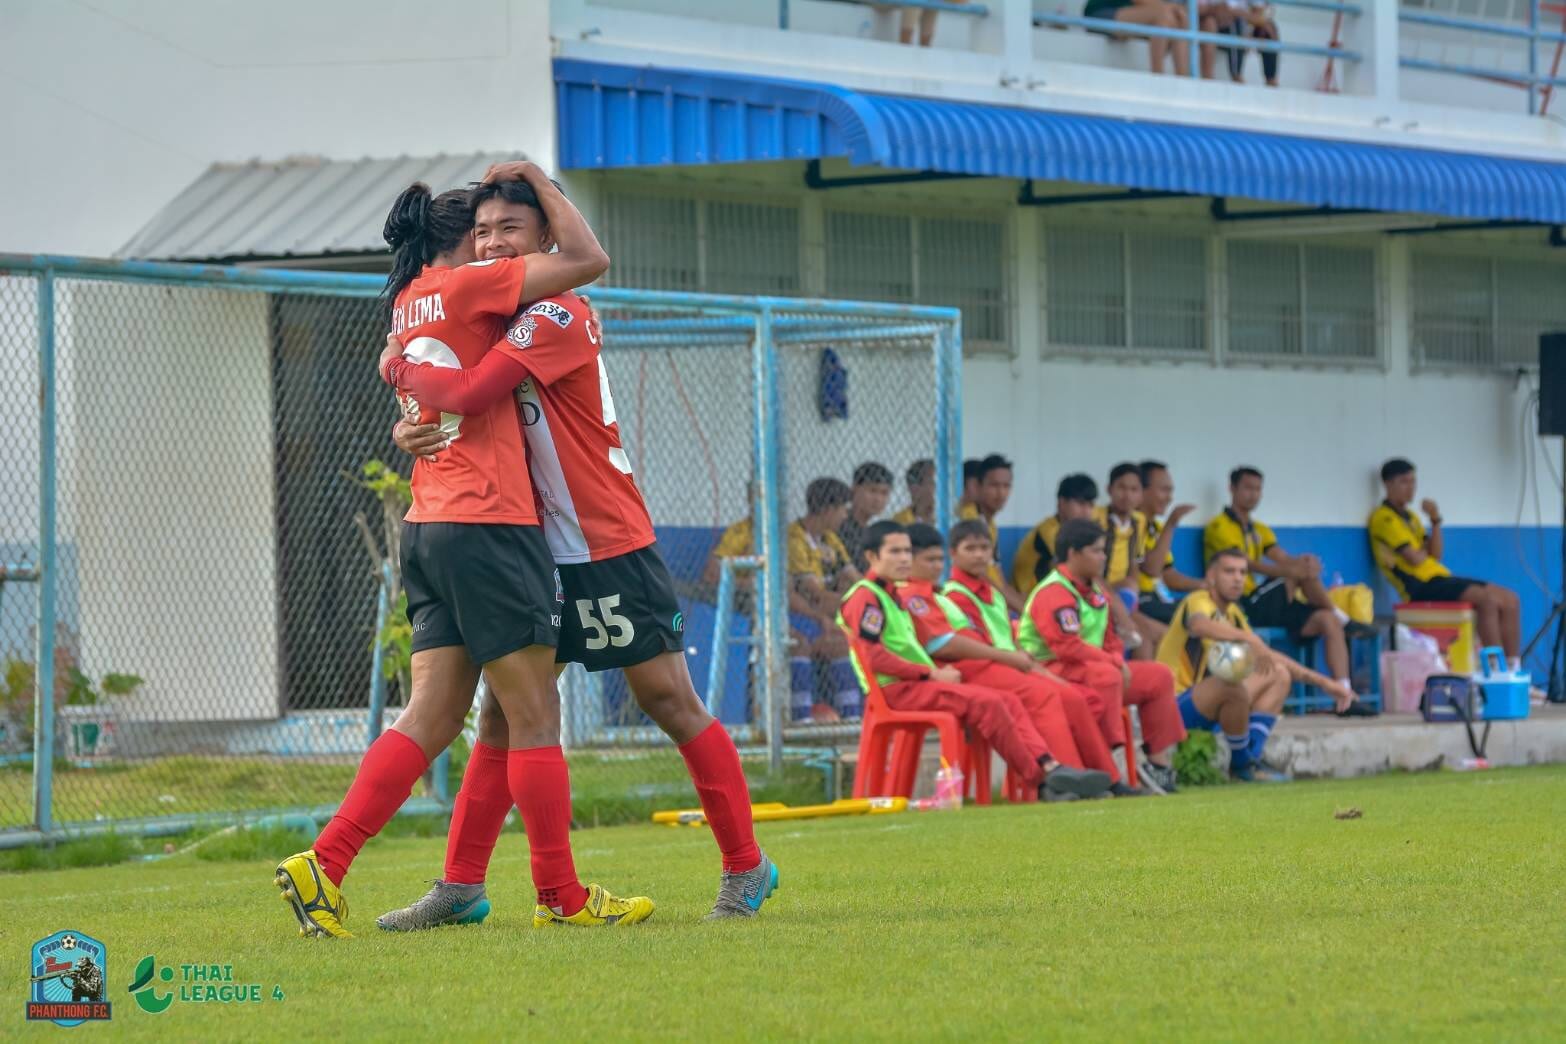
997, 621
1094, 620
897, 633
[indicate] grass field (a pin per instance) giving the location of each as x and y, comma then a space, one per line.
609, 787
1234, 913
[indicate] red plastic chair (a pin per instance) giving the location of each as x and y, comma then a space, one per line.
976, 771
1130, 747
890, 741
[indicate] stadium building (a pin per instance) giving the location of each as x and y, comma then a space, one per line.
1307, 279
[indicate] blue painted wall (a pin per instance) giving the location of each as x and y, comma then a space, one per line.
1501, 554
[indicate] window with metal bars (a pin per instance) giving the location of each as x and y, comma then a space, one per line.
954, 262
1301, 301
1475, 312
668, 242
1110, 288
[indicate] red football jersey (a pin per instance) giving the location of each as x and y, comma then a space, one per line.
587, 498
450, 317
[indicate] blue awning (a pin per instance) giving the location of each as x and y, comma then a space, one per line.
623, 116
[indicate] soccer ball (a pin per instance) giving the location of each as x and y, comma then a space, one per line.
1230, 661
68, 943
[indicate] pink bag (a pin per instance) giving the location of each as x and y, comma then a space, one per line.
1403, 675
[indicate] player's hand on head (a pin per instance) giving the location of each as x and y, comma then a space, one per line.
513, 170
420, 440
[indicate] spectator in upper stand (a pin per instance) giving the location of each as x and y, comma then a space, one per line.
1035, 556
994, 491
1410, 558
1159, 13
970, 483
1252, 18
924, 18
867, 500
920, 477
1289, 592
1161, 582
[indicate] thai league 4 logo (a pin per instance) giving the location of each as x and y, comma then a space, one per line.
67, 979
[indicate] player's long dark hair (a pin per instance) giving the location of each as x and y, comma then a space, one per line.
419, 228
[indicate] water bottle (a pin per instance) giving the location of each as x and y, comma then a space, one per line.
948, 786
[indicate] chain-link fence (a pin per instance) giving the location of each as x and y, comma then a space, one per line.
195, 554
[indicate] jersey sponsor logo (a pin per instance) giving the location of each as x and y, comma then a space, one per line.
917, 605
521, 332
550, 310
677, 625
872, 623
1067, 618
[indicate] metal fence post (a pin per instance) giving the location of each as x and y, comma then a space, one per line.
948, 421
383, 608
1533, 57
769, 535
1193, 26
43, 675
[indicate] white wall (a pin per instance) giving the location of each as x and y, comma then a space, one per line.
1320, 437
112, 108
166, 494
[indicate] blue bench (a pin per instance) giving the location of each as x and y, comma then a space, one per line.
1364, 660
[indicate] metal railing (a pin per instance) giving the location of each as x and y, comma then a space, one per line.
945, 6
1539, 86
1193, 34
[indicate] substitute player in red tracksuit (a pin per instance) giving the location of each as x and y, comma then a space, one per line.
1066, 625
975, 610
911, 680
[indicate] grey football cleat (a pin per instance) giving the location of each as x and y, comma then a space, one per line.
442, 904
1084, 783
741, 895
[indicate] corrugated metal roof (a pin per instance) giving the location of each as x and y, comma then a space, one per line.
619, 116
301, 207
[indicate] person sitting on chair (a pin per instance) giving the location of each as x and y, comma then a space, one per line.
1244, 711
1410, 558
872, 616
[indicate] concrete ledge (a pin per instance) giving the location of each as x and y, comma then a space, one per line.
1317, 747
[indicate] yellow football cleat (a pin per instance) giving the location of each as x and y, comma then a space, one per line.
600, 910
319, 906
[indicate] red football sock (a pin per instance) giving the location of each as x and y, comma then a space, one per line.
714, 765
385, 779
541, 787
478, 815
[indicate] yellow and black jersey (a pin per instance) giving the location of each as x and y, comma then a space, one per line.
1225, 530
1185, 654
1391, 530
1149, 584
1035, 556
1123, 545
